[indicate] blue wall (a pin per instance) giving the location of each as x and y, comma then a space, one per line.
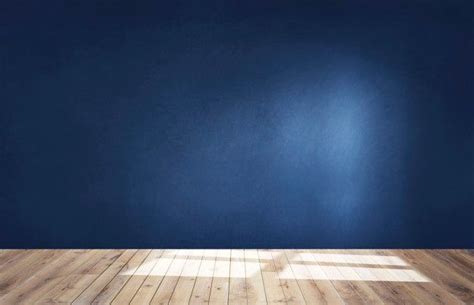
237, 124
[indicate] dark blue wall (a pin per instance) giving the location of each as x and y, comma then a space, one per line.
236, 124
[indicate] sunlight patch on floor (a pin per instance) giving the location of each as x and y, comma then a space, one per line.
352, 259
302, 265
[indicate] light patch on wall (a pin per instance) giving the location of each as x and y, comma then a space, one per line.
323, 137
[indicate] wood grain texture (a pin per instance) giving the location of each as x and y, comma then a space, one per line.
238, 276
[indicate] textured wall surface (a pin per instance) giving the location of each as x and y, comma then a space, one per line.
236, 124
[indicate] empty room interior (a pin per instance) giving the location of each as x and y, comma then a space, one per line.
237, 152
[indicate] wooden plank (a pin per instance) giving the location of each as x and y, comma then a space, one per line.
48, 277
271, 282
6, 254
184, 287
448, 280
148, 288
108, 293
129, 290
423, 287
399, 279
21, 270
444, 258
388, 294
79, 282
202, 288
221, 279
323, 291
76, 286
88, 295
9, 258
396, 287
461, 260
309, 289
333, 273
288, 282
254, 280
165, 290
363, 290
237, 285
50, 296
468, 254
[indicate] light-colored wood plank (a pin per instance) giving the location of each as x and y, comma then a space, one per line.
386, 294
184, 287
254, 280
397, 280
237, 285
129, 290
462, 260
6, 254
148, 288
271, 282
390, 290
46, 278
351, 276
288, 282
8, 258
108, 293
450, 263
221, 279
88, 295
50, 297
308, 287
439, 274
321, 291
422, 287
78, 283
25, 267
346, 292
202, 288
468, 255
165, 290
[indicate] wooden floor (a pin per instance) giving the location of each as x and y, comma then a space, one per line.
236, 277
